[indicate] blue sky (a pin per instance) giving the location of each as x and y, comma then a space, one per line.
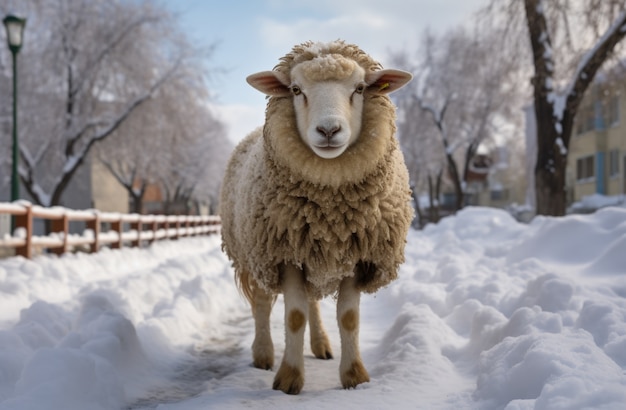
252, 35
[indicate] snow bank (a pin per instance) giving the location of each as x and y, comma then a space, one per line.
592, 203
487, 313
97, 331
537, 312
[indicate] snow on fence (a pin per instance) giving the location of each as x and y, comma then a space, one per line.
101, 228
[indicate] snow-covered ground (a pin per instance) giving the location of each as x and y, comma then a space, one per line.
591, 203
487, 313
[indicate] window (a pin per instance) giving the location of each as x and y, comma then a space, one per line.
585, 169
613, 163
585, 120
597, 114
499, 194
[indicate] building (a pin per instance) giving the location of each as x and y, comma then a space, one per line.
495, 180
597, 151
107, 194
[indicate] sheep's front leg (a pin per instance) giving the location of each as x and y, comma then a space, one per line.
262, 347
351, 369
290, 375
320, 346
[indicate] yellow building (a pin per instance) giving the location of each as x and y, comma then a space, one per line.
597, 152
107, 194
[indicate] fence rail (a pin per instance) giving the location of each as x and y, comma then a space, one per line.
101, 228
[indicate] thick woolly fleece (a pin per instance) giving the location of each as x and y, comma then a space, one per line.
281, 203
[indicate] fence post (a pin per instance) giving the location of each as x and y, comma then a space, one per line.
117, 226
177, 226
187, 226
94, 225
25, 221
137, 227
155, 228
61, 225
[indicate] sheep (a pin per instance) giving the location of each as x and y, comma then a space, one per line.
317, 202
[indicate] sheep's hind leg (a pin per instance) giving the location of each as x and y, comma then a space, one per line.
262, 347
351, 369
290, 375
320, 346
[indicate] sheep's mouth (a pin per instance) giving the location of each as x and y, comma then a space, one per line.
329, 147
329, 151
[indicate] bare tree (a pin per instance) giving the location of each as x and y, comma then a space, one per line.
569, 41
102, 59
197, 163
462, 93
131, 153
197, 148
171, 143
421, 148
438, 117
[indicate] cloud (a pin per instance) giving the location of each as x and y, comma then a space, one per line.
373, 33
377, 30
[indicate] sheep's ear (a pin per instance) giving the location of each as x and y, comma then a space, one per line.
269, 82
386, 81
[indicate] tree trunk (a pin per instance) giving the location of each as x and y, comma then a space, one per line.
418, 222
137, 202
453, 171
550, 165
550, 183
554, 127
434, 191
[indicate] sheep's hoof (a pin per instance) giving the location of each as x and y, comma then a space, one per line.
321, 349
263, 363
288, 379
354, 376
263, 358
262, 354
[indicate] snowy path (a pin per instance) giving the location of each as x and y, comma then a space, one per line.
487, 314
214, 361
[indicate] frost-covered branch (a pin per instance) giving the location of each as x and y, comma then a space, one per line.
96, 79
438, 115
592, 60
74, 160
109, 46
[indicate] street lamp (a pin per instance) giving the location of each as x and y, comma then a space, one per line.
15, 30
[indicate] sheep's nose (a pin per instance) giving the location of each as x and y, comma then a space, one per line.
329, 131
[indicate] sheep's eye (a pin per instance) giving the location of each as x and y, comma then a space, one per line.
360, 88
296, 90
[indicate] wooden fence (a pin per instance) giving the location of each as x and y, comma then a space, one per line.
100, 228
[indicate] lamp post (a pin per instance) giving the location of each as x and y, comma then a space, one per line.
15, 29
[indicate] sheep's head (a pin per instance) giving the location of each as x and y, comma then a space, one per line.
328, 93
